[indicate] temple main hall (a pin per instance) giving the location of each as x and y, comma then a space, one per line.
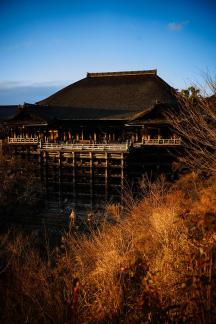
97, 135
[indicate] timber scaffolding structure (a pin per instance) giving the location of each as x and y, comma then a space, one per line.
77, 174
85, 174
97, 134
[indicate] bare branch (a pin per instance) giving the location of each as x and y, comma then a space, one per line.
196, 124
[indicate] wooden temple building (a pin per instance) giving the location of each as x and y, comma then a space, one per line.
97, 134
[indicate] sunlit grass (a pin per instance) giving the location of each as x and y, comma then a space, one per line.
155, 261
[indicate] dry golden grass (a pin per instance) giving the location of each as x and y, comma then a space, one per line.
156, 232
153, 263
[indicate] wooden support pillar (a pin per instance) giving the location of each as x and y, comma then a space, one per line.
40, 162
45, 166
60, 178
55, 134
122, 177
106, 175
74, 176
91, 177
69, 135
145, 133
95, 137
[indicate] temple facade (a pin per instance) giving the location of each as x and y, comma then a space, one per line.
96, 134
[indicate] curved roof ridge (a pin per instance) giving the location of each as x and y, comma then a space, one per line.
120, 73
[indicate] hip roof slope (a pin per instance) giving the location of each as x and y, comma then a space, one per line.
131, 91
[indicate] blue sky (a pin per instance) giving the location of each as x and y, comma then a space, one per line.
45, 45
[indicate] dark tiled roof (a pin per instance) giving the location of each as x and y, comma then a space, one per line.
69, 113
114, 91
40, 114
8, 112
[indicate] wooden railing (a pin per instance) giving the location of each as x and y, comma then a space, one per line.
86, 147
22, 140
157, 141
94, 147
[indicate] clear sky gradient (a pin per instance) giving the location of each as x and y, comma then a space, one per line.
45, 45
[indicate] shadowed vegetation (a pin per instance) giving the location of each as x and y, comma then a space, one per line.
155, 265
21, 192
